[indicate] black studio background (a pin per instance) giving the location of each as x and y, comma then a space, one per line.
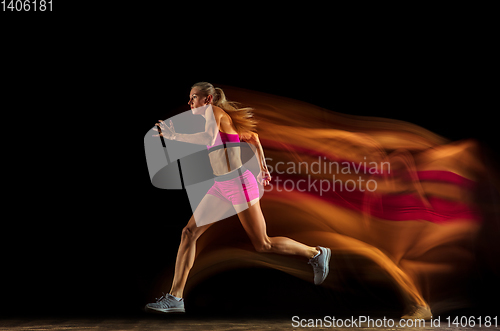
120, 234
93, 235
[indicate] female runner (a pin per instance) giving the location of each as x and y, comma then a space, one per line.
234, 187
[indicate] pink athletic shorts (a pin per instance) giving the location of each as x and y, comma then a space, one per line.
237, 187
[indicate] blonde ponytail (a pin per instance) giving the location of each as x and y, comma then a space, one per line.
242, 118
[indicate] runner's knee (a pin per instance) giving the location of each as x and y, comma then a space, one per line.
263, 247
187, 234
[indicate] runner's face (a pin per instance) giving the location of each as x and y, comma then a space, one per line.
196, 99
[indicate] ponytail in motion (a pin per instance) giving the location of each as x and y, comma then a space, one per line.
242, 118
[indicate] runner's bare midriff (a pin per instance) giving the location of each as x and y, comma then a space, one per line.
225, 160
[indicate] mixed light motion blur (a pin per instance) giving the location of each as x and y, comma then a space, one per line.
405, 205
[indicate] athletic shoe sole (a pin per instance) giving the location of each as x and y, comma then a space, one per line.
166, 310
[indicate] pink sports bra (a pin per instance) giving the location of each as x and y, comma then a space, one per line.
223, 138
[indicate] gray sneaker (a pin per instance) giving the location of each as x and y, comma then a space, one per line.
320, 264
167, 304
